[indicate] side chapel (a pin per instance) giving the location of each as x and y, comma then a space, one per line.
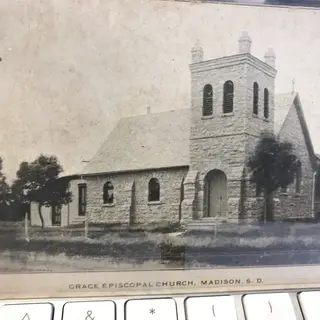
188, 165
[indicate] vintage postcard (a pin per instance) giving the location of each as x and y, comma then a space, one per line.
158, 134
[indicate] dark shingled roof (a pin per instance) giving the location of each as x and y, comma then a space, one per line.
282, 104
149, 141
158, 140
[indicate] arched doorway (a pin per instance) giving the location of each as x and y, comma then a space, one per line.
216, 194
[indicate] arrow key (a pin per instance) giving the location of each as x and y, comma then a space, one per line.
29, 311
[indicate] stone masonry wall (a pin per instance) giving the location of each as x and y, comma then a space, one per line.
166, 210
289, 204
224, 141
255, 124
227, 155
252, 206
218, 123
294, 205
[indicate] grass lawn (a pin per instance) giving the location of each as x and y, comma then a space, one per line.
158, 244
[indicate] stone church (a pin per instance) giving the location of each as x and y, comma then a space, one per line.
188, 165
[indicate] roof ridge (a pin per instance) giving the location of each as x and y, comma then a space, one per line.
281, 111
153, 113
286, 93
145, 141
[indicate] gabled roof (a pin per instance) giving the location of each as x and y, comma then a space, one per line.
161, 140
306, 133
150, 141
284, 104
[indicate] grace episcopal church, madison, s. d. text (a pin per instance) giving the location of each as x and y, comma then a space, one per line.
188, 165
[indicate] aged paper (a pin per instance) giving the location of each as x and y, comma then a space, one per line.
157, 134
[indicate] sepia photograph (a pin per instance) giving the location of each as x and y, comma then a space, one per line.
158, 134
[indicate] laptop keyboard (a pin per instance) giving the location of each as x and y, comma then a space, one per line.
253, 306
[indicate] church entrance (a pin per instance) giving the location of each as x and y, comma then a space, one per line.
216, 200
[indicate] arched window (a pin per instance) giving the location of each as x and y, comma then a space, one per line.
255, 98
266, 103
181, 198
182, 190
207, 108
298, 178
108, 193
82, 198
154, 190
228, 97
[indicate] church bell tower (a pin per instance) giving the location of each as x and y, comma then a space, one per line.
232, 102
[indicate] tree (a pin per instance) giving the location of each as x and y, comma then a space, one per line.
273, 165
39, 182
5, 195
4, 187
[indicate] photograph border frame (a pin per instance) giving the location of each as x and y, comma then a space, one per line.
35, 285
117, 283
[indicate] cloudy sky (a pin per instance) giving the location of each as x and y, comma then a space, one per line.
71, 68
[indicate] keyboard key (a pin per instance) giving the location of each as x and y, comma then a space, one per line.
310, 306
271, 306
211, 308
85, 310
36, 311
151, 309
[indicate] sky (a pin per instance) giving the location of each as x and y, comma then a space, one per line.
71, 69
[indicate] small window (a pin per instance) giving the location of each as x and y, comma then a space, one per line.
266, 103
255, 98
228, 97
207, 109
82, 191
298, 178
154, 190
108, 193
